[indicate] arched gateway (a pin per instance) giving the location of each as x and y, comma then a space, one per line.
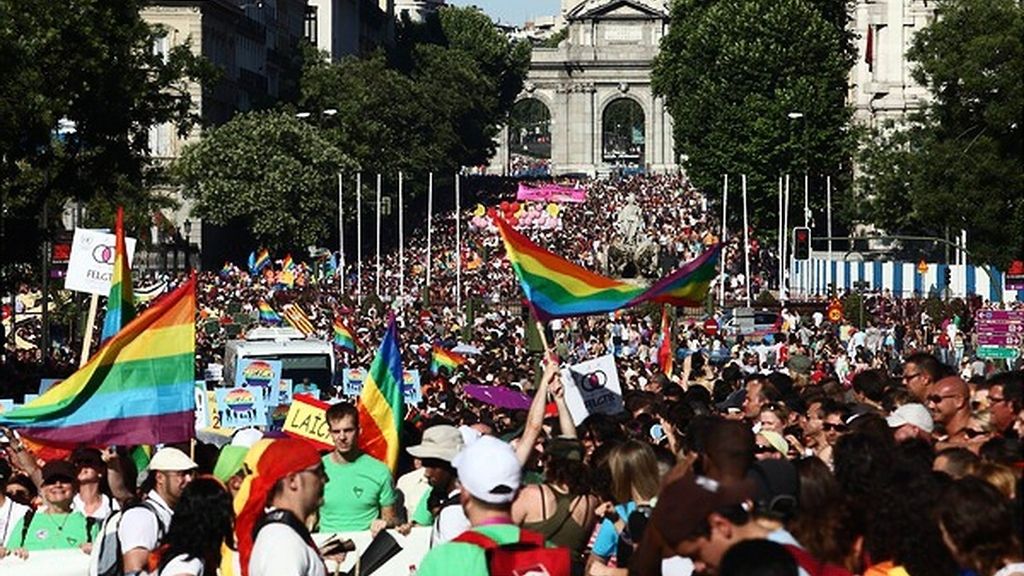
595, 84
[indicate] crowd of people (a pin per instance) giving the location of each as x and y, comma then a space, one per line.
818, 448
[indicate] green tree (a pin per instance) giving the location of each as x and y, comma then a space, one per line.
91, 63
434, 103
959, 163
733, 71
269, 171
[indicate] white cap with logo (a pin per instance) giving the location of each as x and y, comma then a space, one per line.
489, 470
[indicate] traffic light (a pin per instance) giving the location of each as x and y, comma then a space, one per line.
802, 243
947, 277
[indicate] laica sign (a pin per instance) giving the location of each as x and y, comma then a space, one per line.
92, 261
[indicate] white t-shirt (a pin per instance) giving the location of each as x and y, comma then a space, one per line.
10, 513
280, 551
450, 522
107, 506
179, 565
139, 528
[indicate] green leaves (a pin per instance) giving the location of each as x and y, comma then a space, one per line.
268, 170
959, 164
731, 73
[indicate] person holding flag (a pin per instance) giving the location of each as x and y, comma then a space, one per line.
360, 493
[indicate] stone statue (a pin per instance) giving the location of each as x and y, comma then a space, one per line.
630, 223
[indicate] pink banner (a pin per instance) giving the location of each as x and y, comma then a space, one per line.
551, 193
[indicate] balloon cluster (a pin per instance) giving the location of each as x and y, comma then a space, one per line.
519, 215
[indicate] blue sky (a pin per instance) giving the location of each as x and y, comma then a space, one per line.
513, 11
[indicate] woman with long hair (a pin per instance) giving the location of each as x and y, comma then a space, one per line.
203, 520
635, 483
977, 526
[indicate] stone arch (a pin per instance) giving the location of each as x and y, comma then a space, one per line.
623, 132
529, 137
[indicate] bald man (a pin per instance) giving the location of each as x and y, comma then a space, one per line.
949, 401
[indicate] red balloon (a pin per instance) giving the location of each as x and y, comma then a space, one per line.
513, 220
492, 212
505, 205
515, 206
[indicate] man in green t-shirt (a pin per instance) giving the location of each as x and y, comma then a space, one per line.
360, 494
490, 476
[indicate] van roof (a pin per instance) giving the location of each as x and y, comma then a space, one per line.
275, 333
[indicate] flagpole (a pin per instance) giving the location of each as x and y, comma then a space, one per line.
359, 236
828, 208
341, 233
401, 240
785, 242
430, 226
724, 240
778, 241
90, 325
458, 245
746, 242
378, 235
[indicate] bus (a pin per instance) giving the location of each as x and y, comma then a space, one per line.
301, 357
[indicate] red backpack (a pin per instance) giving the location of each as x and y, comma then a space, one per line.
526, 557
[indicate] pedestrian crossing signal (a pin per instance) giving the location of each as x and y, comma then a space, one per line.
802, 243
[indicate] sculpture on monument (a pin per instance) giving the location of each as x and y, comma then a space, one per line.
631, 253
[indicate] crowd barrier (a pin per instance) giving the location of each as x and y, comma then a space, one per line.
76, 563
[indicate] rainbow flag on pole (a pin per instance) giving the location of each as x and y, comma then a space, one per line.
442, 358
344, 337
120, 304
258, 261
557, 288
137, 389
381, 405
267, 314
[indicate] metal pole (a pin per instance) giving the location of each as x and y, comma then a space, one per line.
458, 244
725, 238
45, 319
430, 226
378, 236
828, 225
785, 241
401, 240
359, 236
341, 233
807, 204
778, 242
963, 258
746, 243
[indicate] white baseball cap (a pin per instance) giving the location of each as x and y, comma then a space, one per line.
914, 414
489, 470
171, 460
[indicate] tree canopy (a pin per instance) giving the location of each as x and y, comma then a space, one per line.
91, 64
269, 171
735, 73
959, 163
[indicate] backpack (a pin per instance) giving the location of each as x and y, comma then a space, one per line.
107, 557
812, 565
526, 557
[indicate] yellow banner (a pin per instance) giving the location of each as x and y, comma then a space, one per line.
306, 419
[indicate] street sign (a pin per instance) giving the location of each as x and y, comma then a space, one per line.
1014, 279
710, 327
998, 352
922, 267
1000, 316
1000, 328
1000, 340
835, 312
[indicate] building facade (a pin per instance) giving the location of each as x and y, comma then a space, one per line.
346, 27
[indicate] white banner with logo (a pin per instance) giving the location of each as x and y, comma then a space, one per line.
92, 261
592, 387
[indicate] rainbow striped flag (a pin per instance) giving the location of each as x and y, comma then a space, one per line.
381, 405
344, 337
226, 270
137, 388
120, 304
267, 314
689, 285
287, 263
557, 288
442, 358
259, 261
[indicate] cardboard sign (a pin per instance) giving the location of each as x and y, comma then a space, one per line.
592, 387
352, 381
240, 407
411, 391
211, 410
92, 261
263, 374
202, 406
284, 392
306, 419
6, 404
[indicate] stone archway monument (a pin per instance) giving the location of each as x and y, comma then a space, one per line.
597, 87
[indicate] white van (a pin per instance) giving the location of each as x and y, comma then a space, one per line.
751, 323
300, 357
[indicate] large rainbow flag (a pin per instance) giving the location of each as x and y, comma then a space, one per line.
136, 389
381, 405
557, 288
120, 304
441, 357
